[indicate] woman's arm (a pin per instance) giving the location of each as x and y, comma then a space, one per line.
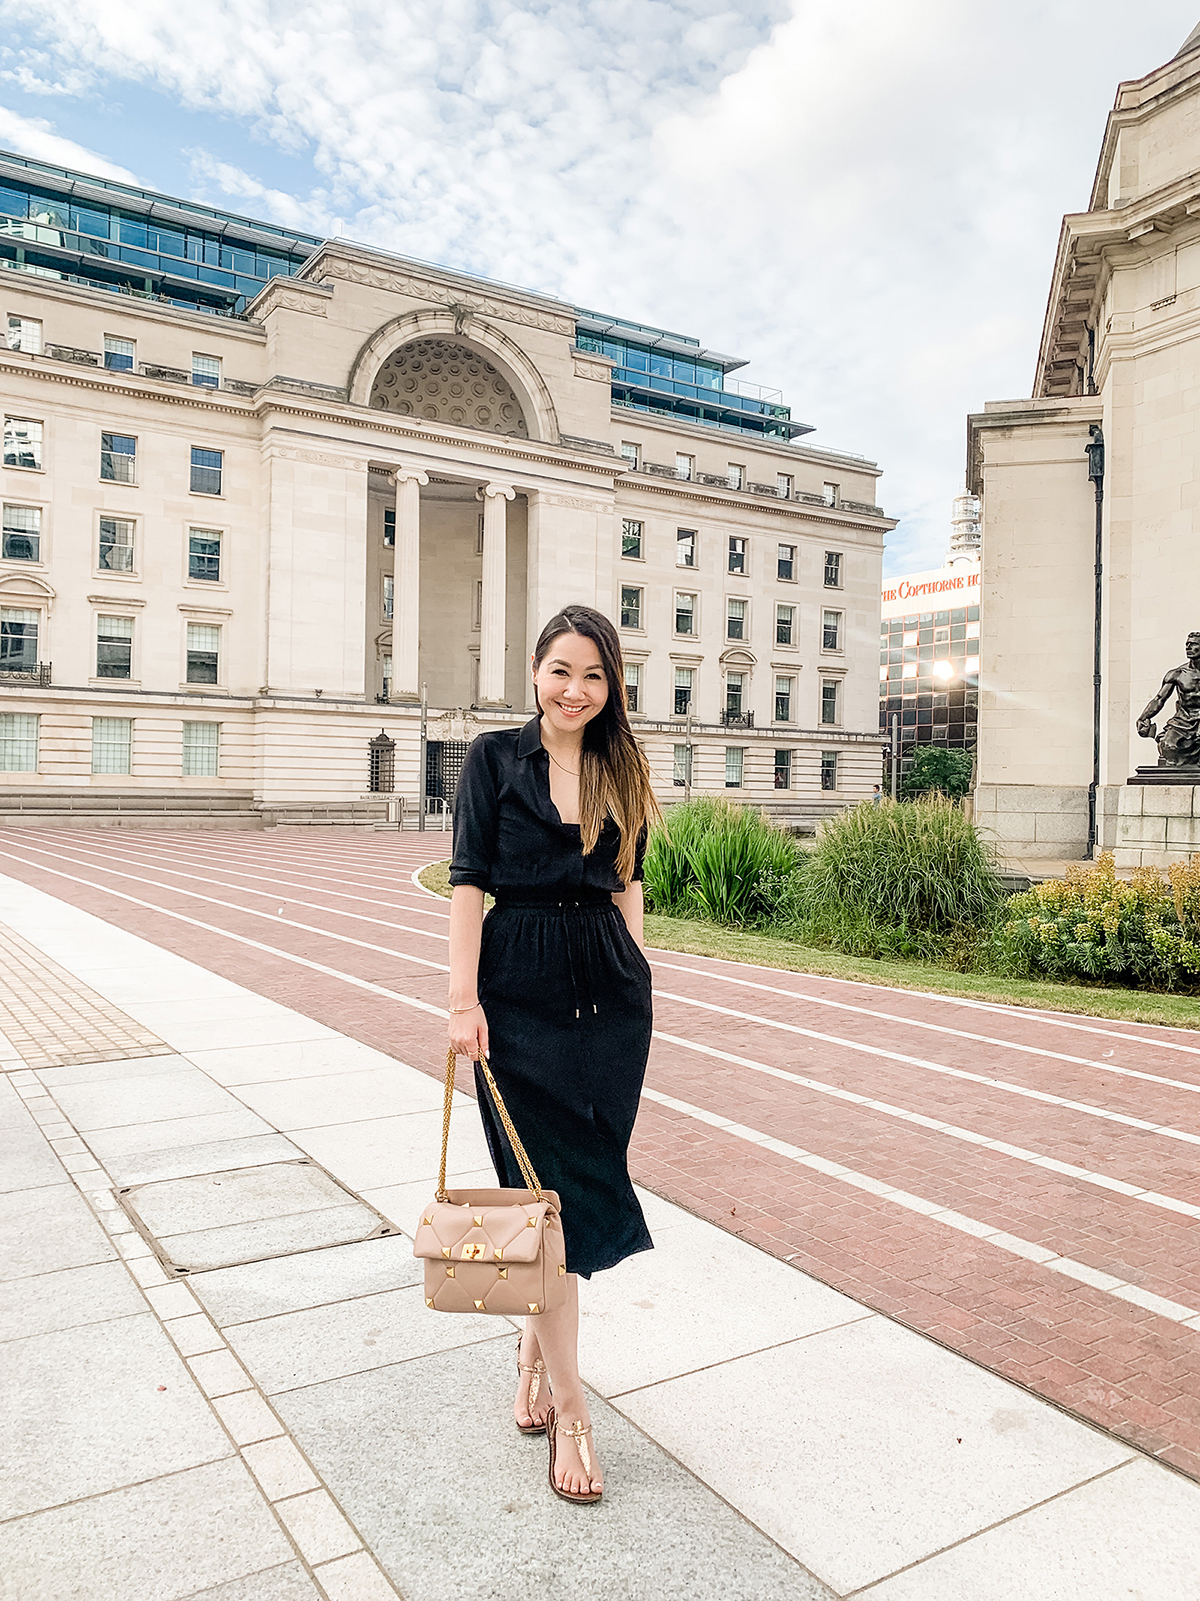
632, 906
467, 1029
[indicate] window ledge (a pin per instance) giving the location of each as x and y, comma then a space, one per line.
114, 683
11, 467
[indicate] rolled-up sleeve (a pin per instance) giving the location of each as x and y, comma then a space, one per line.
476, 815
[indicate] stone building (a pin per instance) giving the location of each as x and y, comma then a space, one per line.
261, 491
1120, 350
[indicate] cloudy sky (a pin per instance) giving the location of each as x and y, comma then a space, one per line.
860, 196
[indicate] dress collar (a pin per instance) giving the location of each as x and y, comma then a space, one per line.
531, 737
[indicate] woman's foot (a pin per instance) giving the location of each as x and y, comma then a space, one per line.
576, 1465
533, 1387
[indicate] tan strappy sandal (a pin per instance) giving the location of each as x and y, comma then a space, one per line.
578, 1432
536, 1374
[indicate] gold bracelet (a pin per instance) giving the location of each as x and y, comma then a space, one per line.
456, 1011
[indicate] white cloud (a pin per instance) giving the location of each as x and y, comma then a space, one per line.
33, 137
862, 195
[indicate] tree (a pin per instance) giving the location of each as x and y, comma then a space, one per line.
935, 767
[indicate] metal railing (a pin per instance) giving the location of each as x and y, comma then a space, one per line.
659, 469
737, 719
37, 677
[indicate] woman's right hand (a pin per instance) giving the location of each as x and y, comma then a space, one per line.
468, 1032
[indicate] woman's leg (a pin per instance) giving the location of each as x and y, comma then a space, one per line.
558, 1340
526, 1414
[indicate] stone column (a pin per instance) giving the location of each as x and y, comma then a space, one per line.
406, 587
492, 620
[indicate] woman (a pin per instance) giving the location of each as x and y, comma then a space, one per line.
552, 819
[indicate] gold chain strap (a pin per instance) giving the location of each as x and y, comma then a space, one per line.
514, 1139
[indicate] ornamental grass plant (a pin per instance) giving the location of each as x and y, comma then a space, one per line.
1144, 931
713, 859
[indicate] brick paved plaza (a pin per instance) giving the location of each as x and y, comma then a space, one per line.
1021, 1187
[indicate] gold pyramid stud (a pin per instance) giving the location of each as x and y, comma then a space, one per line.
479, 1306
449, 1272
561, 1270
498, 1252
426, 1220
445, 1250
531, 1222
532, 1305
478, 1222
503, 1273
428, 1302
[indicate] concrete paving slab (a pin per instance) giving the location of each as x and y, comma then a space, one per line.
175, 1132
658, 1532
101, 1072
353, 1097
273, 1237
867, 1448
328, 1342
44, 1230
222, 1199
683, 1306
355, 1578
169, 979
187, 1161
242, 1019
27, 1162
247, 1417
142, 1098
315, 1278
84, 1413
317, 1526
1133, 1535
65, 1300
396, 1150
265, 1064
162, 1541
288, 1583
401, 1203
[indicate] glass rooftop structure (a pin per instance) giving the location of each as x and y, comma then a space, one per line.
71, 226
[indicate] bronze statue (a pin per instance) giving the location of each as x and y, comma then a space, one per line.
1179, 742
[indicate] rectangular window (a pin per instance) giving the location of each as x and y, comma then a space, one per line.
783, 700
204, 554
736, 475
116, 545
683, 765
201, 749
685, 466
785, 625
389, 594
735, 619
118, 458
631, 453
389, 527
631, 607
786, 564
477, 621
783, 769
18, 640
206, 371
119, 354
112, 744
631, 538
22, 537
685, 547
735, 761
830, 702
783, 488
737, 554
685, 677
633, 686
114, 647
18, 742
830, 494
25, 333
735, 686
387, 676
685, 614
833, 569
829, 767
203, 650
206, 471
22, 442
831, 630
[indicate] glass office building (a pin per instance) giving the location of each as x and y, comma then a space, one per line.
929, 664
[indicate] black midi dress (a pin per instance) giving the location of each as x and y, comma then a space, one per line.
566, 994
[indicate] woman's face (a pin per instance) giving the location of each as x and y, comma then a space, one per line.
571, 684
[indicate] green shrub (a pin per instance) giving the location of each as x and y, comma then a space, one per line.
912, 879
934, 767
714, 859
1093, 925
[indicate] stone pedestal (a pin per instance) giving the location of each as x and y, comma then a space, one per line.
1157, 824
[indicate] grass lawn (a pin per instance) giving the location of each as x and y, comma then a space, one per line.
694, 938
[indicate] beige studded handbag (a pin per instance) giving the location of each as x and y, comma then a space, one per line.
491, 1250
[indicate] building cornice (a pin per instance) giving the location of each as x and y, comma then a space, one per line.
686, 489
132, 305
1073, 412
690, 430
103, 381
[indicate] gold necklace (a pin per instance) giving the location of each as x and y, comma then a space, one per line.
558, 764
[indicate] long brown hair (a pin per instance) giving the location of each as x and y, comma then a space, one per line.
614, 776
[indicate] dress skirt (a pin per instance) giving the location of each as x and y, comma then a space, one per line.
566, 993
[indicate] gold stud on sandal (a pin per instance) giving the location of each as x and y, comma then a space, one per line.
578, 1432
536, 1374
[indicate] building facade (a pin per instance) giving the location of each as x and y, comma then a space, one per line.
1120, 350
262, 492
929, 645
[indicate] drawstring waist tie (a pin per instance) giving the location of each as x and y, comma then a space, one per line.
571, 909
